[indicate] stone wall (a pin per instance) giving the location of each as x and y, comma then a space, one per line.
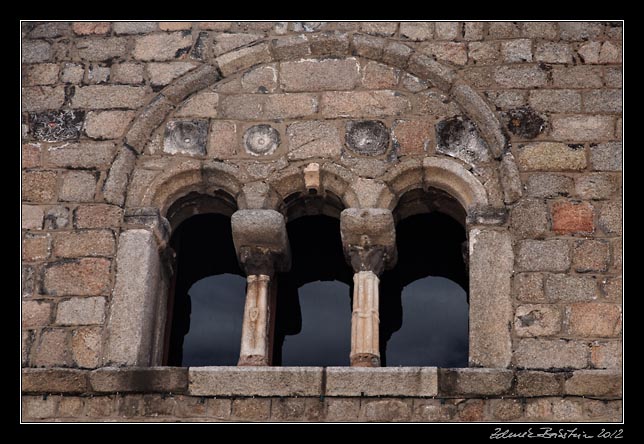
520, 121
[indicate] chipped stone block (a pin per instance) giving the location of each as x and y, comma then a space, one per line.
186, 137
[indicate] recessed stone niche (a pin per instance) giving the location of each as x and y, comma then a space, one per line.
261, 140
367, 137
186, 137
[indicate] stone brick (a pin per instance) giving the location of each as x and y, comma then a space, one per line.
69, 407
544, 30
288, 409
81, 155
580, 30
563, 288
54, 381
551, 156
289, 106
474, 381
35, 314
594, 319
40, 98
606, 156
109, 96
84, 243
568, 410
602, 410
215, 26
535, 383
570, 217
89, 28
412, 136
52, 350
35, 247
521, 76
107, 124
519, 50
555, 100
537, 320
473, 30
417, 31
106, 406
222, 139
35, 51
552, 52
97, 216
612, 289
86, 346
203, 105
503, 30
291, 47
38, 186
589, 52
161, 74
427, 410
363, 104
226, 42
78, 186
598, 383
101, 49
610, 53
379, 28
389, 410
546, 255
81, 311
82, 277
613, 77
174, 26
447, 30
378, 76
529, 219
453, 52
262, 79
38, 407
141, 379
360, 381
134, 27
506, 409
128, 73
327, 44
57, 217
550, 353
251, 409
368, 46
549, 185
243, 58
605, 100
255, 381
97, 74
617, 255
538, 409
241, 107
590, 255
576, 77
342, 409
595, 186
528, 287
32, 217
483, 53
606, 354
313, 139
313, 75
160, 47
43, 74
72, 73
470, 410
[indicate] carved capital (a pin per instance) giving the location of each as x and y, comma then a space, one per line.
369, 239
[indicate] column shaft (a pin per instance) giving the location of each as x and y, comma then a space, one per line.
255, 344
365, 347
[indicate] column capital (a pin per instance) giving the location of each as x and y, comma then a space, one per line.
369, 238
261, 241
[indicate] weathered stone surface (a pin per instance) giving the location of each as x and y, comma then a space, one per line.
118, 176
595, 186
529, 219
610, 218
81, 311
569, 217
458, 137
594, 319
134, 27
612, 289
160, 47
582, 128
107, 124
35, 51
97, 216
330, 43
36, 314
52, 350
56, 126
453, 52
36, 380
243, 58
38, 186
101, 49
594, 383
78, 186
560, 287
109, 96
390, 410
551, 156
490, 298
514, 51
161, 74
605, 354
30, 155
41, 98
580, 30
81, 155
186, 137
88, 28
313, 139
550, 353
506, 409
378, 76
261, 140
553, 52
128, 73
367, 137
150, 379
363, 104
447, 30
262, 79
521, 76
325, 75
528, 287
524, 122
134, 299
291, 47
555, 100
474, 381
417, 31
226, 42
546, 255
42, 74
535, 383
537, 320
548, 185
255, 381
86, 346
590, 255
83, 277
412, 136
606, 156
247, 233
32, 217
251, 409
363, 381
57, 217
289, 106
83, 243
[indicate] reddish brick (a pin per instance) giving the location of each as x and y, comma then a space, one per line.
53, 349
378, 76
83, 277
595, 319
35, 247
568, 217
87, 28
222, 141
35, 314
84, 243
590, 255
30, 155
97, 216
38, 186
412, 136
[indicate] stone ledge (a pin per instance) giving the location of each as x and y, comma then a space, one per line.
141, 379
362, 381
255, 381
596, 383
474, 381
54, 380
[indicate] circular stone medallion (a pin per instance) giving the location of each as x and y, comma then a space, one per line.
367, 137
261, 140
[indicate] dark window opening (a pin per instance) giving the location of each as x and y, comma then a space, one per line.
313, 314
206, 309
423, 299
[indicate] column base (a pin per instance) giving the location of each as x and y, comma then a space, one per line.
365, 360
253, 361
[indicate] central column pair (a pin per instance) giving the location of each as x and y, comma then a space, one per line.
261, 241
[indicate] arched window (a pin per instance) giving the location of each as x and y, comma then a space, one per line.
313, 321
205, 309
423, 304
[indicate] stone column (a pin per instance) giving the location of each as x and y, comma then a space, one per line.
262, 248
369, 240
